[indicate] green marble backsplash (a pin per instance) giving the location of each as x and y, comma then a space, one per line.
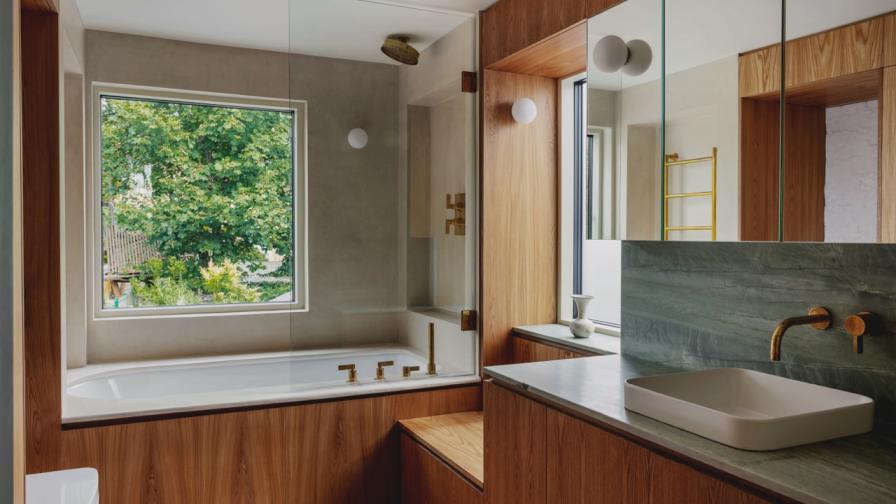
700, 305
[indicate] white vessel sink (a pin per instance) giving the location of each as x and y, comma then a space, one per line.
748, 409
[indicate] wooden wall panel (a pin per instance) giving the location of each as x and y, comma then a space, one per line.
519, 211
759, 159
586, 464
512, 25
859, 47
526, 350
887, 135
759, 72
426, 479
804, 173
515, 451
338, 451
40, 237
560, 55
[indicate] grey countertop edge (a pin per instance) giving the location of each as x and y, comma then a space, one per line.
652, 431
559, 335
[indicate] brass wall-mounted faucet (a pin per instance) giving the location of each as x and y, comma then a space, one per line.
459, 222
380, 371
431, 365
352, 372
860, 325
819, 318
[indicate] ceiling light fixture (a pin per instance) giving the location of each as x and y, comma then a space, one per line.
398, 48
612, 54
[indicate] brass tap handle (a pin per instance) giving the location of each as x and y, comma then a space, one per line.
431, 363
407, 370
860, 325
380, 372
352, 372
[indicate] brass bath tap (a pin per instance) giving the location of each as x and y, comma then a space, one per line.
431, 365
819, 318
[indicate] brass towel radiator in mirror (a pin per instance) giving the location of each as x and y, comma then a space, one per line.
672, 160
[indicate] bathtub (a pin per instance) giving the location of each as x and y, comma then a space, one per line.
110, 391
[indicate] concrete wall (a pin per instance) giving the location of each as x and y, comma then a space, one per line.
850, 183
353, 214
6, 251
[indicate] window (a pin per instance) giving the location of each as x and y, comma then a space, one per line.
198, 205
589, 243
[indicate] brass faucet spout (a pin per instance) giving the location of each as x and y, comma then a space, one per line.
818, 317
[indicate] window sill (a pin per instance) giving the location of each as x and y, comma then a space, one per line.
559, 335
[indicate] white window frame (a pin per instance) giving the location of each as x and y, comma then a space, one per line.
93, 201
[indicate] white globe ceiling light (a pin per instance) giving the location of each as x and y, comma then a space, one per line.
357, 138
524, 111
640, 55
612, 54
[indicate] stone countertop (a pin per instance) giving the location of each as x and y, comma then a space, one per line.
558, 334
858, 469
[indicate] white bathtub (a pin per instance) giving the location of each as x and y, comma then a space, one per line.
108, 391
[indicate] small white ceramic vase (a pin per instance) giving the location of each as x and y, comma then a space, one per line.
581, 327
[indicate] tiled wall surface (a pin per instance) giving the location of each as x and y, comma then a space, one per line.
699, 305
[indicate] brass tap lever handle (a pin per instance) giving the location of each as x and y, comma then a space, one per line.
380, 372
407, 370
860, 325
352, 372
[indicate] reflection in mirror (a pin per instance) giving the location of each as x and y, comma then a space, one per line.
610, 189
840, 173
719, 134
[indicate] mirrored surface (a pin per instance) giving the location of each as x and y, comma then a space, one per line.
839, 170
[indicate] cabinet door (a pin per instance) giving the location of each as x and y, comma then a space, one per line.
672, 482
588, 464
514, 447
426, 479
525, 350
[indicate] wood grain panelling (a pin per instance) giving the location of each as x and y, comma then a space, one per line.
40, 5
804, 173
586, 464
759, 72
425, 479
40, 237
671, 482
837, 91
339, 451
513, 25
759, 159
850, 49
519, 211
887, 134
456, 438
526, 350
855, 48
558, 56
515, 451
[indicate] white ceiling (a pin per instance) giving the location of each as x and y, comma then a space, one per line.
702, 31
347, 29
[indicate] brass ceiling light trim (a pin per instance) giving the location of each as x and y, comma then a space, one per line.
398, 48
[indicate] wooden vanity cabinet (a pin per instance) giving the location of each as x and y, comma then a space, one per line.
537, 454
527, 350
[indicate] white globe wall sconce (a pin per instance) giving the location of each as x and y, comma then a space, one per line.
524, 111
357, 138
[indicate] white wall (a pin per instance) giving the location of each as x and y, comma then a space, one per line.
702, 112
435, 84
850, 185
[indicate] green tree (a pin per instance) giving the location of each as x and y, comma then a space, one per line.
205, 184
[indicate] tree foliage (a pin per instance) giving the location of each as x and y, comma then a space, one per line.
205, 184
